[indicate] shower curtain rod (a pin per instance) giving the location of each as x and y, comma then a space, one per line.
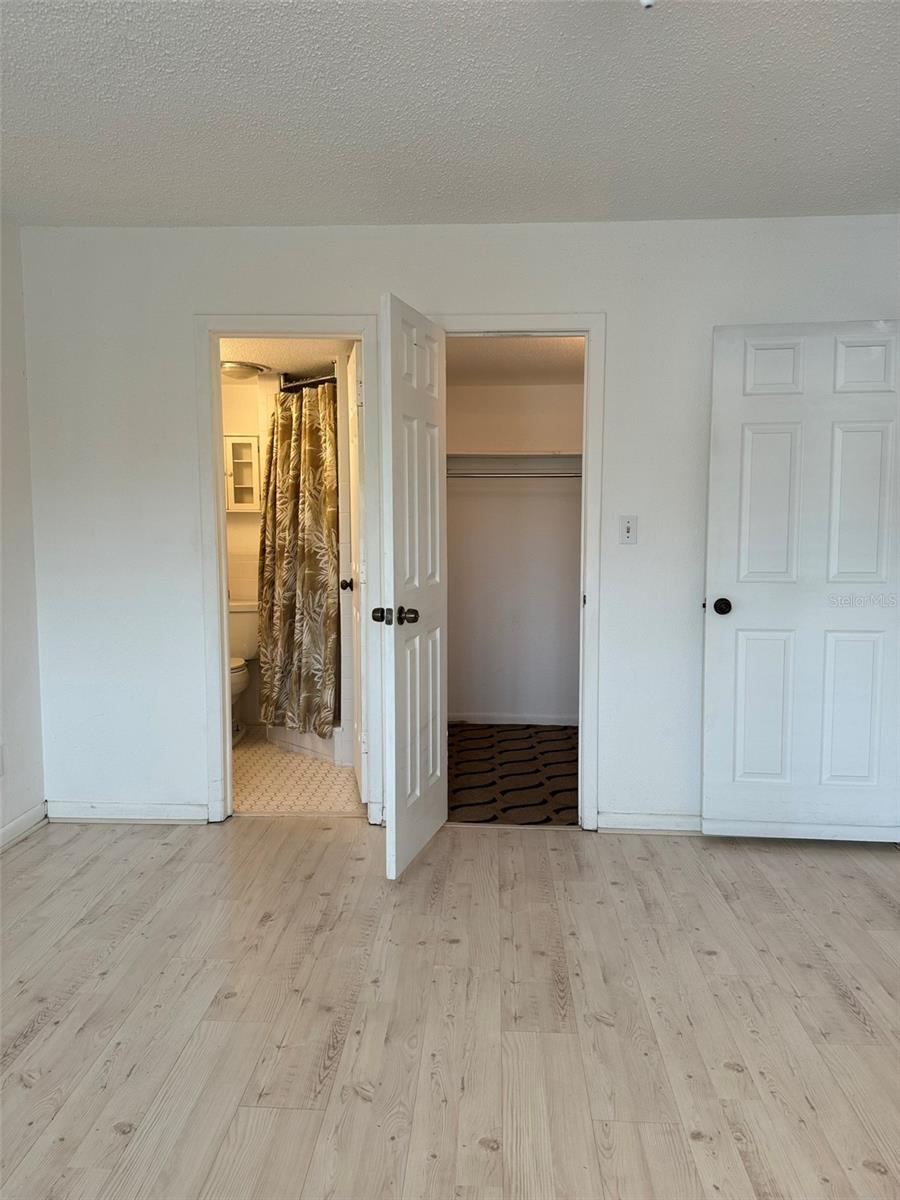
303, 383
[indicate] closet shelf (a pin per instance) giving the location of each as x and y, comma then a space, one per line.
513, 466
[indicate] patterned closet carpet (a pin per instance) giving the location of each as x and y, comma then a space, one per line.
513, 774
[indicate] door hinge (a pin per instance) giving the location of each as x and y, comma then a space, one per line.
361, 573
359, 394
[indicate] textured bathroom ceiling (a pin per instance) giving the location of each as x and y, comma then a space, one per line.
294, 356
293, 112
491, 360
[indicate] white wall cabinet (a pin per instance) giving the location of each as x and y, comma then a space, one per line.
242, 474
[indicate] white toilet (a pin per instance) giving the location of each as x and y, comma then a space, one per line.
242, 622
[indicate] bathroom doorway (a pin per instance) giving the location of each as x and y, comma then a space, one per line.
290, 458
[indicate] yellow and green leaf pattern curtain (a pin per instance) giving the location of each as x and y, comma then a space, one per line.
298, 564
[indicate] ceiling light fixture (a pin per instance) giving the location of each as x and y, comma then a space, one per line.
242, 370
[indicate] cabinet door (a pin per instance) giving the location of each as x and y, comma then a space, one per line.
242, 474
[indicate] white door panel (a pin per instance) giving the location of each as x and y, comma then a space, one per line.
801, 676
415, 654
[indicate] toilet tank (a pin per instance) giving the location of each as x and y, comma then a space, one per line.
242, 618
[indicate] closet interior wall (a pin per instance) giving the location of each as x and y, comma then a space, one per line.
514, 547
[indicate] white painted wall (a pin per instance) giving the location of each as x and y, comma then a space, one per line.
513, 570
112, 386
21, 786
512, 419
513, 559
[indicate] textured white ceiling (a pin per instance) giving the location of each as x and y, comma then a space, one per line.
270, 112
490, 360
295, 356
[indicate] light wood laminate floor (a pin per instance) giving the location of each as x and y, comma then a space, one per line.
250, 1011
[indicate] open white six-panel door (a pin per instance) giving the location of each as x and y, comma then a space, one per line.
414, 617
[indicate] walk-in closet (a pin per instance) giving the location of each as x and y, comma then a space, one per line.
514, 442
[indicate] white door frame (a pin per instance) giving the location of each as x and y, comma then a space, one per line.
213, 551
592, 327
363, 328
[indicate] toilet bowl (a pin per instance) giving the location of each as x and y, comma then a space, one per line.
242, 617
240, 677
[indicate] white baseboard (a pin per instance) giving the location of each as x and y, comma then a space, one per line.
512, 719
18, 827
799, 829
649, 822
82, 810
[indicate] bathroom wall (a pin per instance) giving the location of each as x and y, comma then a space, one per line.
246, 408
514, 555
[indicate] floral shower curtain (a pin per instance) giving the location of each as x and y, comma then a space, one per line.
298, 564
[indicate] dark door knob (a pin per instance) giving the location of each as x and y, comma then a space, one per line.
346, 585
722, 606
407, 616
383, 614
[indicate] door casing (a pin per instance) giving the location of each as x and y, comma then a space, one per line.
363, 328
207, 332
592, 327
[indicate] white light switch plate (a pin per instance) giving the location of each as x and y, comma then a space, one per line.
627, 530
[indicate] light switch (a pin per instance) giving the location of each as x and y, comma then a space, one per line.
627, 530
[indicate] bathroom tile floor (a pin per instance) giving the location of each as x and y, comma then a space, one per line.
271, 781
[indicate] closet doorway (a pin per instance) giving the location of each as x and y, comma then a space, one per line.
515, 432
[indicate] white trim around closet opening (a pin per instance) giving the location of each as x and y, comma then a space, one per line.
207, 331
592, 327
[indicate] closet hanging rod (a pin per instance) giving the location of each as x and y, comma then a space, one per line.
516, 474
514, 466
